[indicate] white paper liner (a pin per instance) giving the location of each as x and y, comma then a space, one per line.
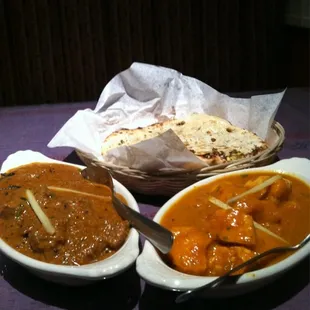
145, 94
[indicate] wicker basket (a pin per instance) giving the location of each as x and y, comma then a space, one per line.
168, 184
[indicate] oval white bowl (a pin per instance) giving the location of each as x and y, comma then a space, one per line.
153, 270
74, 275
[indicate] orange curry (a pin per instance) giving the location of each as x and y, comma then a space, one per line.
87, 228
210, 240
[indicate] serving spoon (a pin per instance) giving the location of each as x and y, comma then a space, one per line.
158, 235
197, 291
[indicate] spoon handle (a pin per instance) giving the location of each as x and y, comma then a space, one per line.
153, 232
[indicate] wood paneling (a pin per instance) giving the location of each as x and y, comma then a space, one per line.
67, 50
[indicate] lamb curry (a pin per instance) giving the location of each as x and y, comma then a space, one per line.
80, 223
226, 222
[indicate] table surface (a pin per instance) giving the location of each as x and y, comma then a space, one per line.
32, 127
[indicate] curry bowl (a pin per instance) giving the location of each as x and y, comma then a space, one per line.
179, 270
93, 256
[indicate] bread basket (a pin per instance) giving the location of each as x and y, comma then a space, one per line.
168, 184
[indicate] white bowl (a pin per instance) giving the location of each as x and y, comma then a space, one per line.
74, 275
154, 271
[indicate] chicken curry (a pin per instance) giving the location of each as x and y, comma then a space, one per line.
51, 213
226, 222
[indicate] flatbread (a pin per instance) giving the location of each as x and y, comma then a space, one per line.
212, 139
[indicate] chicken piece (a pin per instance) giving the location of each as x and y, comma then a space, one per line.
41, 241
235, 227
266, 211
280, 189
249, 205
221, 259
188, 253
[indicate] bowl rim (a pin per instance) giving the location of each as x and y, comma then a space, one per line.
179, 281
108, 267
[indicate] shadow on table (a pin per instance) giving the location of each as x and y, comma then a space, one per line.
120, 292
156, 201
266, 298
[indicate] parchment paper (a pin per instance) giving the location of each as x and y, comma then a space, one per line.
145, 94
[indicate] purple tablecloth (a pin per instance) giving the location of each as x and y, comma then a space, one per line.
32, 128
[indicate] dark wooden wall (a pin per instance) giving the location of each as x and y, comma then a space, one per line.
67, 50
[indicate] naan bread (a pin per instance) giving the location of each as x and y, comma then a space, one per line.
212, 139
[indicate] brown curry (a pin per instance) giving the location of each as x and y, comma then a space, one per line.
87, 228
210, 241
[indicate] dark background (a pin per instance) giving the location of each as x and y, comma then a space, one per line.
67, 50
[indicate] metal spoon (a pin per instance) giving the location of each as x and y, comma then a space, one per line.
197, 291
159, 236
